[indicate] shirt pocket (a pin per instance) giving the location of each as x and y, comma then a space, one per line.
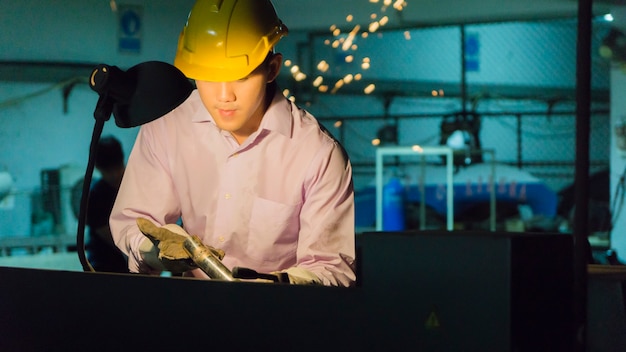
274, 229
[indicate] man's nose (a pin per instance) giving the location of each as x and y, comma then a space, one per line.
225, 91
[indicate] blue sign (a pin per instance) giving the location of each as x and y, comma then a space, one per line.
472, 52
129, 29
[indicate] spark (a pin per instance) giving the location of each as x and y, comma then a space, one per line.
347, 42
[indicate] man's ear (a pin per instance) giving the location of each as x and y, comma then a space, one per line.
274, 67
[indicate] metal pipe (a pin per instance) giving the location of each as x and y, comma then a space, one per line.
581, 183
206, 260
414, 150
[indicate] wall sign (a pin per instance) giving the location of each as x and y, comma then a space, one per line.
472, 52
129, 29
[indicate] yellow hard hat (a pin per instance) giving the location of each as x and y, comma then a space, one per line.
225, 40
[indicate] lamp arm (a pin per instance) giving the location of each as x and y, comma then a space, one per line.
102, 113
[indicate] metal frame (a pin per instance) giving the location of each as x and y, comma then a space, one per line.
381, 152
448, 152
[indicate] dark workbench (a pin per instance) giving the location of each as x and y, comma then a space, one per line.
428, 291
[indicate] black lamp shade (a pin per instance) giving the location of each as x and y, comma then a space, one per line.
143, 93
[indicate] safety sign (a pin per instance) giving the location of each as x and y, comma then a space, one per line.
129, 28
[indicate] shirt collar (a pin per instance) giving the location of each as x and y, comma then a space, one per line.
201, 114
277, 118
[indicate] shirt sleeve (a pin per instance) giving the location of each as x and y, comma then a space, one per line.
326, 244
146, 191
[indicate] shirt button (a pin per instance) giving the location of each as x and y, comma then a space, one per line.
227, 196
221, 239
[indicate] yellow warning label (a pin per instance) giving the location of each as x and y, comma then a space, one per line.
432, 322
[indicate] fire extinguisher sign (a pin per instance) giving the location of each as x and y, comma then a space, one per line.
129, 29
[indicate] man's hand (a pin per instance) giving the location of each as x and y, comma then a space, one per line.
293, 275
299, 276
164, 249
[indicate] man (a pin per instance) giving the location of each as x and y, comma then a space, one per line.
237, 163
102, 253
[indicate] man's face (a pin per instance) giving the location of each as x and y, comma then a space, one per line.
239, 106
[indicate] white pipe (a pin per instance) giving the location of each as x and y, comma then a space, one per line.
412, 150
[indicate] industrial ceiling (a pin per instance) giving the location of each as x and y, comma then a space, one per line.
319, 15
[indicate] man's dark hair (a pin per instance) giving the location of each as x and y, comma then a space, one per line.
109, 153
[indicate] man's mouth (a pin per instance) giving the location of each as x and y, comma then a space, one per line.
226, 112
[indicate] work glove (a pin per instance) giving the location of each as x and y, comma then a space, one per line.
163, 248
293, 275
299, 276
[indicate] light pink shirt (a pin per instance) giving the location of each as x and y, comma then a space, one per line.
283, 198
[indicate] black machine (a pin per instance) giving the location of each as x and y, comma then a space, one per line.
417, 291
